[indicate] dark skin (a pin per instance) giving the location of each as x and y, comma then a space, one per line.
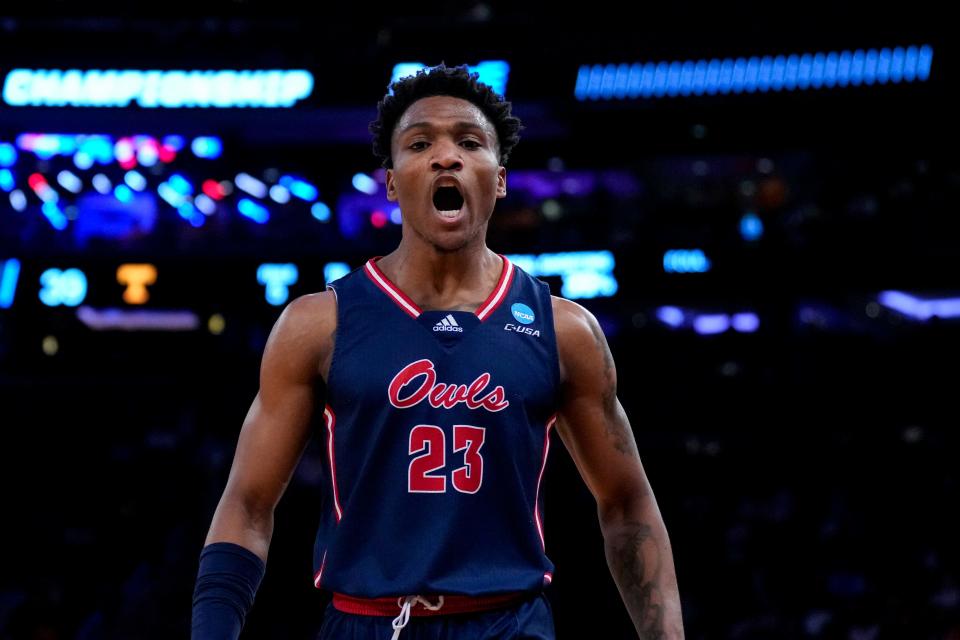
444, 263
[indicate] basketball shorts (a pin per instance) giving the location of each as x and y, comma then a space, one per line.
531, 619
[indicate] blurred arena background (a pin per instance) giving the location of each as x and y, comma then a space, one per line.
759, 203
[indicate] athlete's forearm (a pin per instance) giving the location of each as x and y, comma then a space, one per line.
239, 523
641, 562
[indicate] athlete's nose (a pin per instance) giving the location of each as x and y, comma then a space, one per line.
446, 157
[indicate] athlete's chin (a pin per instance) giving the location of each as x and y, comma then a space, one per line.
451, 242
450, 245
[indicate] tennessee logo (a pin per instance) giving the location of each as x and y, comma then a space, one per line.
404, 392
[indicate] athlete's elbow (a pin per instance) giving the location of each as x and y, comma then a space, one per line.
634, 503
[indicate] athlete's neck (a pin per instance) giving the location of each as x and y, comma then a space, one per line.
443, 280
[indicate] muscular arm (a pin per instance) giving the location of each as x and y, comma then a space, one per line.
596, 432
276, 429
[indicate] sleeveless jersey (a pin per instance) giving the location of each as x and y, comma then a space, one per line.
437, 430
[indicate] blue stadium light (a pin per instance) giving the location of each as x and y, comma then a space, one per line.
685, 261
44, 146
920, 309
396, 215
670, 316
588, 284
751, 227
300, 188
18, 200
364, 184
207, 147
252, 210
122, 319
135, 180
584, 274
320, 211
68, 288
335, 270
277, 278
745, 322
155, 88
66, 144
123, 193
56, 217
180, 184
246, 182
710, 324
205, 204
148, 155
47, 193
176, 143
69, 181
494, 73
8, 154
98, 147
102, 184
82, 160
754, 74
279, 194
7, 183
189, 213
403, 70
124, 150
9, 274
169, 195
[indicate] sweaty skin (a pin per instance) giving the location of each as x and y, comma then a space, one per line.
444, 263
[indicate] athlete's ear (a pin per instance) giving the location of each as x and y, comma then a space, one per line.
391, 186
502, 182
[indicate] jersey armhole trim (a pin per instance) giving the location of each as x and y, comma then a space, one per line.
336, 338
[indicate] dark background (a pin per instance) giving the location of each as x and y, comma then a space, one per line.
807, 472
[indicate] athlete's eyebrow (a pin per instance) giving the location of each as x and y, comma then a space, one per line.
456, 126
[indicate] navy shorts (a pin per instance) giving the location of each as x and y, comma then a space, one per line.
532, 619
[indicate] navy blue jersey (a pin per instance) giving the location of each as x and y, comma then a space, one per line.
437, 431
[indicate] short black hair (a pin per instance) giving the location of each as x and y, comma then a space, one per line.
441, 80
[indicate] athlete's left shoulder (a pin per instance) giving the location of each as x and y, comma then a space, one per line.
572, 317
580, 340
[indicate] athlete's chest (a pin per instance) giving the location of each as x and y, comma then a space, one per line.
443, 360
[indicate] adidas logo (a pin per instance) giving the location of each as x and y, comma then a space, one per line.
448, 324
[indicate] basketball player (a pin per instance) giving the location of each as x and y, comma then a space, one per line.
443, 368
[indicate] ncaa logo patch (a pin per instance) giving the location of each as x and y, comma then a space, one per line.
522, 313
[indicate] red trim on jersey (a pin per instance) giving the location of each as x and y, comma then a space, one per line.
499, 291
392, 290
323, 563
331, 421
453, 603
483, 312
543, 465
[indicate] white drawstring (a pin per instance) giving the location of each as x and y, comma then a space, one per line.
405, 604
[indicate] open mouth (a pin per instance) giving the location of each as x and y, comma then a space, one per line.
448, 201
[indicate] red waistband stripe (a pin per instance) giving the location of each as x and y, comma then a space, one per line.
454, 603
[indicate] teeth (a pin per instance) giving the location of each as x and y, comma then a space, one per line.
449, 214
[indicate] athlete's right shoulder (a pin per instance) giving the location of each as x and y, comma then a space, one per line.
305, 329
310, 310
315, 306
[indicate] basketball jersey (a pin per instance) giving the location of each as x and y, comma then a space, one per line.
437, 430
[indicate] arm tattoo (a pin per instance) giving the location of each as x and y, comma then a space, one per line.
643, 599
609, 370
615, 418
